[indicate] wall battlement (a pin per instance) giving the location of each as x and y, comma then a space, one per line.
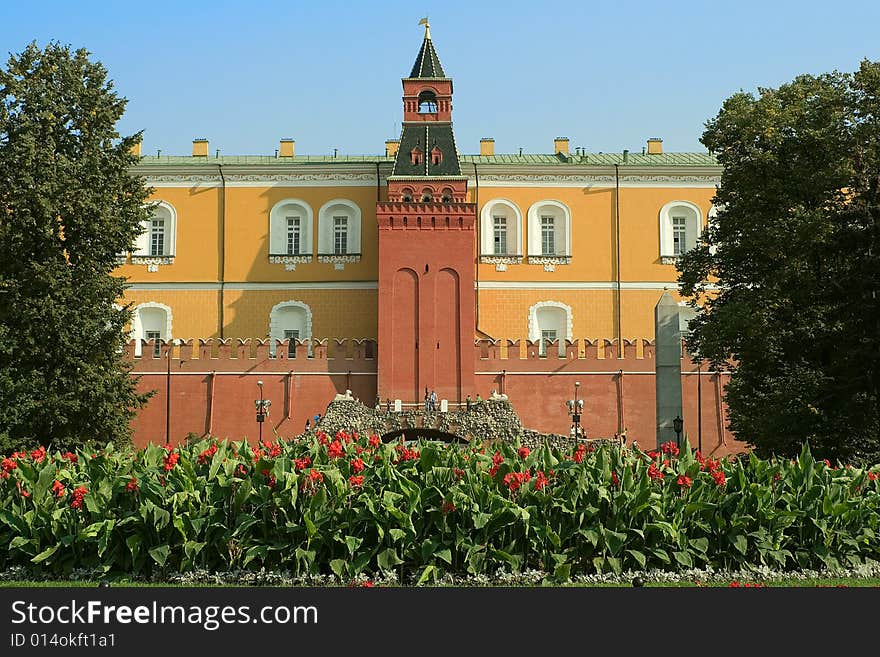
215, 354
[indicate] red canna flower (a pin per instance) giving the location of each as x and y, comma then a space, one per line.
302, 463
374, 440
540, 480
132, 486
357, 465
719, 478
458, 472
39, 454
258, 454
873, 476
207, 454
358, 449
356, 480
684, 481
669, 448
523, 452
513, 480
323, 438
8, 465
826, 462
497, 459
170, 460
448, 507
654, 473
78, 495
712, 464
614, 478
241, 471
336, 450
579, 453
58, 489
70, 456
315, 476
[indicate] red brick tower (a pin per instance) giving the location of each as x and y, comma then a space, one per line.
427, 245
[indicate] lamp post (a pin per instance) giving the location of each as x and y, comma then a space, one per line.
575, 406
262, 409
677, 424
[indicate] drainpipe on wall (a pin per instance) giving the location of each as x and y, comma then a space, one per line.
221, 301
618, 329
478, 237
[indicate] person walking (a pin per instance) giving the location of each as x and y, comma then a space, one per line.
433, 400
388, 404
427, 400
469, 402
308, 424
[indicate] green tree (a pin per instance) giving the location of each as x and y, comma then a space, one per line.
68, 206
794, 254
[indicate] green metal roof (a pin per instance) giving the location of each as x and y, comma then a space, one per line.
598, 159
526, 159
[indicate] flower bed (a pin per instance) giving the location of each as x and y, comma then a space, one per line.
352, 506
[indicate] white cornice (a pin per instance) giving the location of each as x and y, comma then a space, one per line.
318, 285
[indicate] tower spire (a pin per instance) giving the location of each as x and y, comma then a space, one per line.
427, 25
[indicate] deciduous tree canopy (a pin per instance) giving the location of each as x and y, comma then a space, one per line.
795, 256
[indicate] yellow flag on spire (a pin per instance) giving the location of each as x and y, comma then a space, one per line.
424, 22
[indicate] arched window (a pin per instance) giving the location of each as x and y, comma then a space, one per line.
680, 228
151, 321
501, 227
339, 229
290, 320
446, 195
406, 195
158, 238
550, 231
549, 321
436, 156
427, 102
290, 228
427, 195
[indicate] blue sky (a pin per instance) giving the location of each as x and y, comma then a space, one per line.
606, 74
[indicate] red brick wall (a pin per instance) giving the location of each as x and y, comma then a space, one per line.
301, 387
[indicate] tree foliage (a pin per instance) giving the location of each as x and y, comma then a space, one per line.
68, 206
795, 258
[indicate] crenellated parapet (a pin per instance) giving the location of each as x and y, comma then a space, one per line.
238, 355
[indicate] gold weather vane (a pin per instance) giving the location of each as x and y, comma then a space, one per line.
424, 22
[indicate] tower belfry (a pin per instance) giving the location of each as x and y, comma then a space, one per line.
427, 245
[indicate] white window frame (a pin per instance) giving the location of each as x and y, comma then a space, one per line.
137, 327
277, 329
495, 208
278, 215
694, 228
294, 235
340, 234
326, 230
142, 244
499, 235
562, 233
535, 329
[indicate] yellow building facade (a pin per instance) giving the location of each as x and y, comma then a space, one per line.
568, 245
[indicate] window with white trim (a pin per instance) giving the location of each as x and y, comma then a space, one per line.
547, 336
548, 235
158, 233
339, 231
290, 320
679, 238
157, 345
293, 235
340, 235
157, 237
680, 229
291, 335
500, 230
290, 232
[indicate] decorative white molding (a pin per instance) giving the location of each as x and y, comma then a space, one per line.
121, 259
626, 181
578, 285
492, 259
563, 232
290, 259
325, 227
152, 260
693, 230
137, 329
281, 285
669, 260
514, 225
501, 267
549, 260
337, 259
265, 180
278, 226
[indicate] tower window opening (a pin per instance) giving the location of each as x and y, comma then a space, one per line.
436, 156
427, 102
417, 156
